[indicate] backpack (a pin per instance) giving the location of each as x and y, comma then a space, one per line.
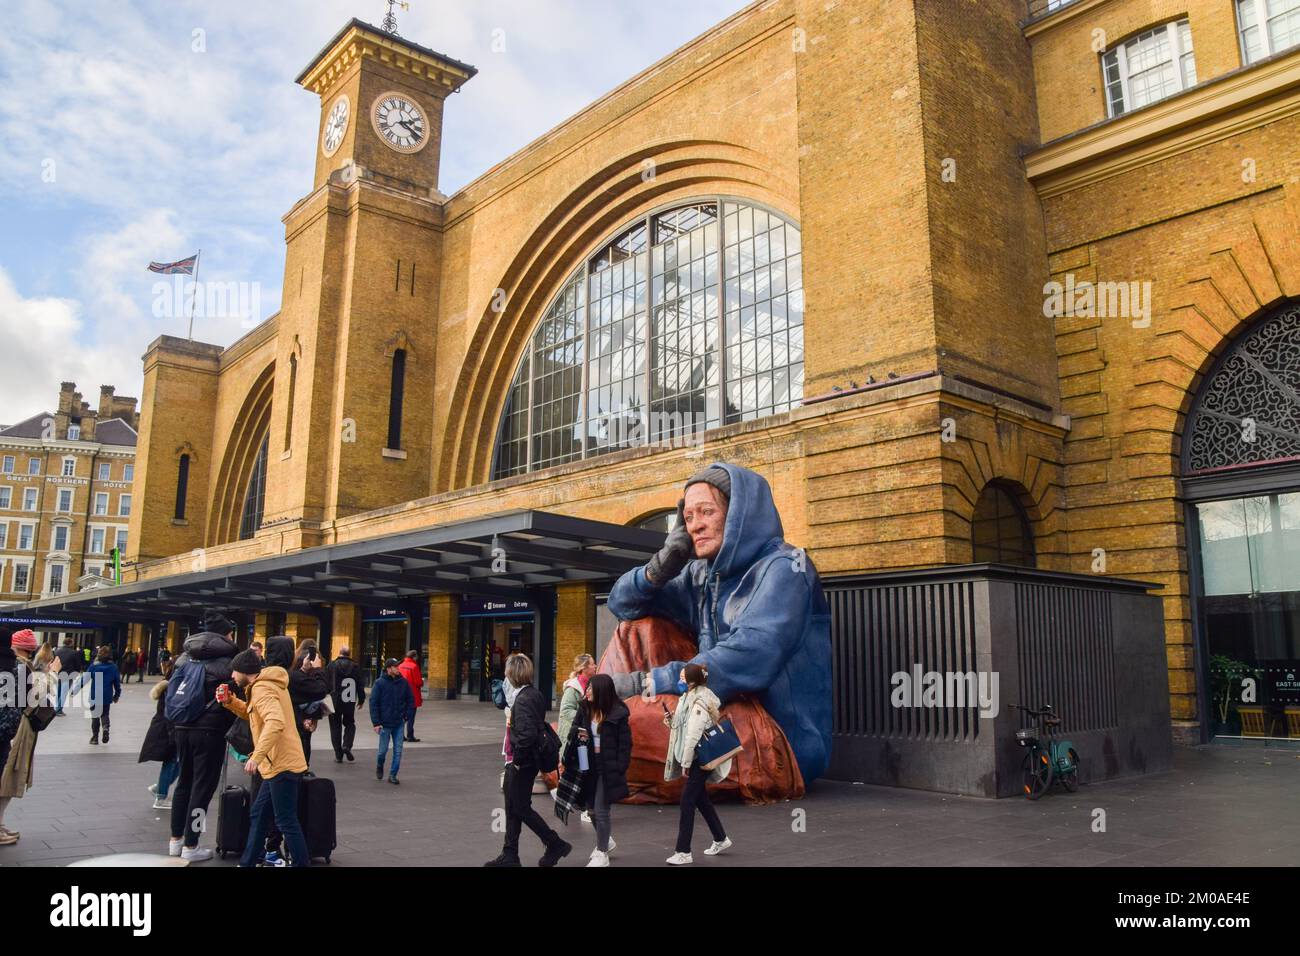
548, 749
499, 693
185, 699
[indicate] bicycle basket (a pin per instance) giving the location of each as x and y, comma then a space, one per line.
1026, 736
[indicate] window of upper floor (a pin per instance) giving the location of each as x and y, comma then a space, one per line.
124, 505
65, 499
128, 472
29, 499
101, 502
74, 432
6, 497
33, 466
7, 465
69, 467
105, 470
1149, 67
26, 535
1267, 27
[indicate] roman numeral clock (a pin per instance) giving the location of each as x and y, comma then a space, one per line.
400, 122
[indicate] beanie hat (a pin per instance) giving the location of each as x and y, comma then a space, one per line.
246, 662
714, 475
24, 640
217, 623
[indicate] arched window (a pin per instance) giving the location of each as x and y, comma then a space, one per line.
1000, 530
396, 392
1248, 408
663, 521
688, 319
255, 496
182, 484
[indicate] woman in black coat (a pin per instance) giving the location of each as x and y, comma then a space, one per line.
602, 727
160, 742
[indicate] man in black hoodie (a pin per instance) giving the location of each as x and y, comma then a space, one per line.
201, 743
72, 664
344, 679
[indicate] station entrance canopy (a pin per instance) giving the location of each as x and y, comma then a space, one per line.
518, 555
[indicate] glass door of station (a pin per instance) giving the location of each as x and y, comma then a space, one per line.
486, 640
1248, 603
382, 637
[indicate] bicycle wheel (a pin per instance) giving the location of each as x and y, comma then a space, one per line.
1036, 774
1071, 780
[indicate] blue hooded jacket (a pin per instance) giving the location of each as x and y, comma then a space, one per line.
761, 619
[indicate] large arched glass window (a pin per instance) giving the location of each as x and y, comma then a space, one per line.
688, 319
251, 517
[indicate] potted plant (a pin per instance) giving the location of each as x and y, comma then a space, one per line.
1226, 675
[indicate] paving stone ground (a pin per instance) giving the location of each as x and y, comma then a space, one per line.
1219, 806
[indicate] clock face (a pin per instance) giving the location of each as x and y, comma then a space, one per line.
336, 124
400, 123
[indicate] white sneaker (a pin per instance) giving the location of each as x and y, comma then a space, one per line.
174, 847
586, 816
197, 854
599, 859
718, 847
679, 859
612, 847
153, 788
161, 803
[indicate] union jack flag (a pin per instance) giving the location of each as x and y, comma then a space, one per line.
184, 267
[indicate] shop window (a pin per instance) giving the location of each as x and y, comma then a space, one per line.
1000, 529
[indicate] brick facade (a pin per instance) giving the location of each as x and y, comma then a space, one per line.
944, 161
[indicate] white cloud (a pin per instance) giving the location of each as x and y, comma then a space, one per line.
42, 348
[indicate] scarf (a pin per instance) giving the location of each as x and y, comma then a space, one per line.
511, 692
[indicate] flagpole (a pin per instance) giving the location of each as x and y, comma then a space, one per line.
197, 256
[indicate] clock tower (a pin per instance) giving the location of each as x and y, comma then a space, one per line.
381, 106
349, 424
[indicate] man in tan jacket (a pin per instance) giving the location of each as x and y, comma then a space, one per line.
277, 755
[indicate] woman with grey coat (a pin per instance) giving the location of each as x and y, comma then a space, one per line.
697, 711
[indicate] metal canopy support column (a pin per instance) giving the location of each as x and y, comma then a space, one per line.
543, 600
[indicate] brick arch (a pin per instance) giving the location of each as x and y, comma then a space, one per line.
251, 425
1026, 459
1230, 290
591, 213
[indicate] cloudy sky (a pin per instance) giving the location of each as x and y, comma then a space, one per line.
138, 131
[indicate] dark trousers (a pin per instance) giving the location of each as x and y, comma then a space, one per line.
520, 812
276, 797
410, 724
200, 754
305, 736
101, 720
343, 728
694, 796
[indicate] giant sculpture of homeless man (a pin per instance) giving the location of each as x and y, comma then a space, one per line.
754, 602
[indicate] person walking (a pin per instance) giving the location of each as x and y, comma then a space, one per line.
343, 676
141, 663
410, 668
103, 690
38, 690
160, 743
697, 711
391, 701
201, 728
601, 728
575, 691
277, 756
71, 665
307, 689
127, 670
525, 715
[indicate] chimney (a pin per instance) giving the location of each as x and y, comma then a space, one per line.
67, 391
106, 401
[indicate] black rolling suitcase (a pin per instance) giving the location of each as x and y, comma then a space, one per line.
316, 803
232, 817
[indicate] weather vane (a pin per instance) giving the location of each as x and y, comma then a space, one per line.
390, 19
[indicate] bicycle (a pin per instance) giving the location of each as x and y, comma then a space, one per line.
1046, 758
